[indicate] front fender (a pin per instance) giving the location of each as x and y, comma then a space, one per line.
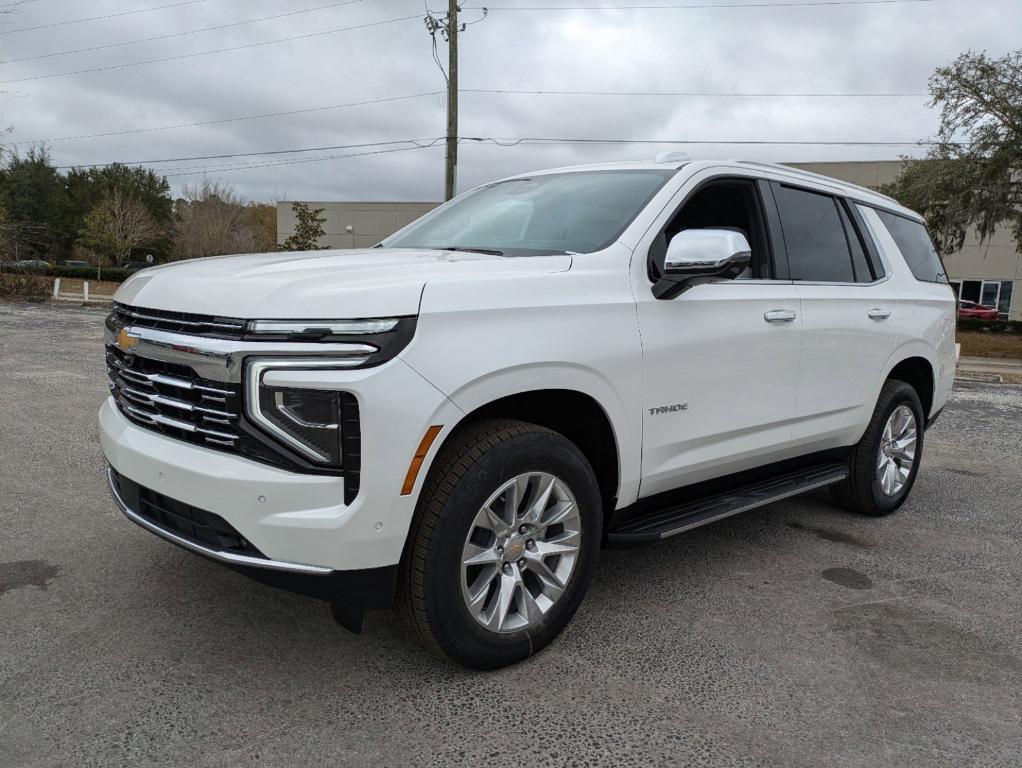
521, 379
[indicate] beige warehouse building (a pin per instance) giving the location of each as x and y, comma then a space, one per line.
989, 273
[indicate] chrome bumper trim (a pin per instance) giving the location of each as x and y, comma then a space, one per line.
220, 360
225, 557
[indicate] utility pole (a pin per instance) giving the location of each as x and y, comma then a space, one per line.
449, 25
451, 169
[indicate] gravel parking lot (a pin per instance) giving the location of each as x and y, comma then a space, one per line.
796, 635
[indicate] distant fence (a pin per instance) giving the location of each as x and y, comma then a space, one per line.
80, 297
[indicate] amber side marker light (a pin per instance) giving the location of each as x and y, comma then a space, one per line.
420, 454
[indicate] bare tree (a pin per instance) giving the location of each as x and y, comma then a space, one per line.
117, 225
212, 221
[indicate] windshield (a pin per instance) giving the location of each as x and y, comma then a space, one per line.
577, 212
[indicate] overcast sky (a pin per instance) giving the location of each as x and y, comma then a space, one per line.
871, 48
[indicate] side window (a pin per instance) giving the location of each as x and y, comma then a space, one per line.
916, 247
860, 261
814, 235
720, 204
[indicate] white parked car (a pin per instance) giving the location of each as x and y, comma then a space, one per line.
454, 422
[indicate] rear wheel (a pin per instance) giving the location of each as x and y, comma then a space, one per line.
503, 546
884, 463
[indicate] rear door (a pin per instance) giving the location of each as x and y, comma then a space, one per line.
847, 308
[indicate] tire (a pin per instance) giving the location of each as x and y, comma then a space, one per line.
435, 586
864, 490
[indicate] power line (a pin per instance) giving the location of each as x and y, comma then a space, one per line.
98, 18
701, 6
505, 142
328, 107
221, 121
208, 53
241, 154
178, 34
537, 140
692, 94
302, 160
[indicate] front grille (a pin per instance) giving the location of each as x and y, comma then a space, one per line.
209, 326
196, 525
171, 399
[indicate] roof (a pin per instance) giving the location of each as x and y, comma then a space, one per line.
796, 175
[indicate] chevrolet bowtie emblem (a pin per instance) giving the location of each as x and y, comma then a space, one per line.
125, 341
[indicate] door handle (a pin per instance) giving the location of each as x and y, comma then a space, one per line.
779, 315
878, 314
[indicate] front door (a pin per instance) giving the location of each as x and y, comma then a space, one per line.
720, 370
720, 360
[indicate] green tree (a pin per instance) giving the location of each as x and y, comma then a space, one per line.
8, 232
308, 229
84, 187
117, 225
971, 179
32, 193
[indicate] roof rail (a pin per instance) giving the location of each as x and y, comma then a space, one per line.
820, 176
674, 157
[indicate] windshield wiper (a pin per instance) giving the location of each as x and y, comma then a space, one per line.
488, 251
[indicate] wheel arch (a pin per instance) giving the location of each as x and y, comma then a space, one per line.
577, 416
918, 371
583, 411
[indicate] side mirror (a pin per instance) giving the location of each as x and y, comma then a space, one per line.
702, 254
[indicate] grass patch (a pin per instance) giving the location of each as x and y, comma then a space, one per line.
987, 344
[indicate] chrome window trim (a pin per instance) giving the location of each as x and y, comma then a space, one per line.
253, 381
882, 280
216, 554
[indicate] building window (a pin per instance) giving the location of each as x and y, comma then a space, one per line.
1004, 301
989, 293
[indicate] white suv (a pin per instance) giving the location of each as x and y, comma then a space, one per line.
452, 423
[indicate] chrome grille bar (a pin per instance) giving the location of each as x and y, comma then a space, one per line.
181, 321
171, 399
161, 378
154, 397
184, 426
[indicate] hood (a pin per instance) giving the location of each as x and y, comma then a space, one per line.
371, 282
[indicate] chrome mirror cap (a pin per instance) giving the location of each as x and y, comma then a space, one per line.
707, 253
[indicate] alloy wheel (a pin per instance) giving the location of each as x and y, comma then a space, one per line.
520, 552
897, 452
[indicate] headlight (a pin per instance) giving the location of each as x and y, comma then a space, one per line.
308, 421
320, 329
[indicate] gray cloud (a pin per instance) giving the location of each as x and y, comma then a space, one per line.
877, 48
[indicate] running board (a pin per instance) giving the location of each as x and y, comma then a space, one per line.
660, 523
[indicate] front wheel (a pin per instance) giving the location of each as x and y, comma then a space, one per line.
884, 463
503, 546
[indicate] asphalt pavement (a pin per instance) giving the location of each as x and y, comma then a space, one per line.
795, 635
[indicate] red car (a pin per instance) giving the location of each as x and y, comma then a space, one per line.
976, 311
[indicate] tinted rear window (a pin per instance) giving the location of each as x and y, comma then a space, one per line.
916, 247
815, 237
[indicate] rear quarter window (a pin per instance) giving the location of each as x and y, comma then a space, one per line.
916, 247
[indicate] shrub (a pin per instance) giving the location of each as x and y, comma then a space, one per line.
28, 287
990, 326
112, 274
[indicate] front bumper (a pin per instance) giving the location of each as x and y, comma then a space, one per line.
133, 513
293, 517
350, 592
